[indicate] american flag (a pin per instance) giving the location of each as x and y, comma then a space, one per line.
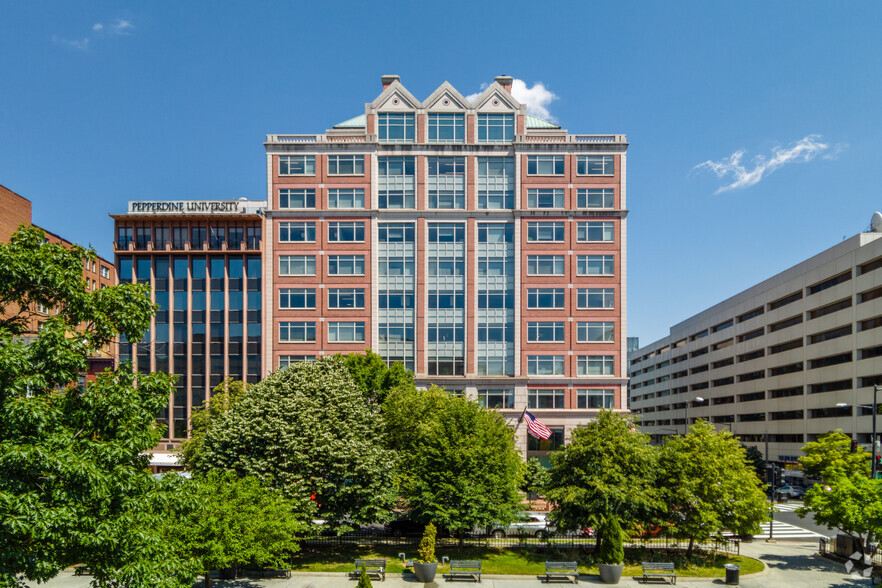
535, 427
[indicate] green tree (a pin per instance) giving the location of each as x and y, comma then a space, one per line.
73, 480
536, 477
604, 478
852, 504
831, 457
374, 378
222, 521
755, 458
224, 396
457, 463
708, 485
307, 431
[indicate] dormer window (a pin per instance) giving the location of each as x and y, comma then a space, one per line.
495, 128
395, 127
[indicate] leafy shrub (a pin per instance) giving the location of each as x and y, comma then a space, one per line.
427, 545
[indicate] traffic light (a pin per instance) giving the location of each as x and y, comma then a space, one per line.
878, 459
853, 446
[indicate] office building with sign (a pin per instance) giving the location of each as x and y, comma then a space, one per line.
481, 246
784, 361
203, 262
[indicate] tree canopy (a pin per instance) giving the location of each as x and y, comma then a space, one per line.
708, 485
457, 463
221, 520
831, 457
605, 477
73, 481
223, 397
307, 431
374, 378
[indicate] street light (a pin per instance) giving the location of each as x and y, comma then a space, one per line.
873, 436
686, 426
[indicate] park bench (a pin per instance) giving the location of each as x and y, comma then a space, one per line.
652, 569
567, 570
465, 569
82, 570
376, 567
274, 573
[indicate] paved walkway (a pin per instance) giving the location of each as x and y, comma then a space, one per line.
788, 565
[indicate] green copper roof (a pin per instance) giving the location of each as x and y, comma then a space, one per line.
533, 122
352, 123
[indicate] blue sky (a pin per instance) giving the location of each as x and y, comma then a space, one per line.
105, 102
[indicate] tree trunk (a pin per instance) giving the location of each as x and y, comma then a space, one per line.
689, 549
598, 537
207, 583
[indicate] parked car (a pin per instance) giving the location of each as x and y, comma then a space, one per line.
526, 524
790, 491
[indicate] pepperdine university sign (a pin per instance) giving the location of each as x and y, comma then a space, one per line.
187, 207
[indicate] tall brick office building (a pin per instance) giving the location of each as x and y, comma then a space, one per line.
481, 246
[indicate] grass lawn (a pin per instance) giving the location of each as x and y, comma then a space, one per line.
515, 561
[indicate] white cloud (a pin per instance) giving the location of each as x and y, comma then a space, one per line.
801, 151
79, 44
122, 27
536, 98
97, 26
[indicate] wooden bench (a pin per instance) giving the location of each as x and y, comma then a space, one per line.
274, 573
376, 567
465, 569
567, 570
662, 570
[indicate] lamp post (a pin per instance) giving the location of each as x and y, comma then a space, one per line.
686, 426
875, 408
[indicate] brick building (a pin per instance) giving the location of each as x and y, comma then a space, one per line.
481, 246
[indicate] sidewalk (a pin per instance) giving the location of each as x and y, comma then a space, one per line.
787, 565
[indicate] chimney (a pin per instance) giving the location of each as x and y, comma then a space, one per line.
505, 82
387, 80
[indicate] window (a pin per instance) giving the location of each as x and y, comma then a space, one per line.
496, 398
834, 281
297, 332
343, 298
545, 365
595, 265
538, 298
605, 398
545, 265
346, 198
234, 237
595, 298
595, 198
123, 237
795, 320
545, 332
495, 232
396, 182
287, 360
495, 299
446, 182
291, 232
556, 441
297, 265
446, 127
545, 165
297, 298
545, 198
786, 300
344, 332
830, 308
495, 187
546, 232
297, 165
345, 232
444, 299
299, 198
345, 165
542, 398
346, 265
252, 237
599, 232
596, 165
395, 233
832, 334
446, 233
446, 266
596, 365
752, 314
495, 128
596, 332
105, 272
395, 127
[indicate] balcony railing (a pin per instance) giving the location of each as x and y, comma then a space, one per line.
593, 139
